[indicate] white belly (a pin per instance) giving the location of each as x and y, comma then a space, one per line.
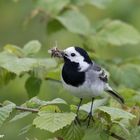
85, 91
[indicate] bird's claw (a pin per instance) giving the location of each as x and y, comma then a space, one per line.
89, 118
77, 121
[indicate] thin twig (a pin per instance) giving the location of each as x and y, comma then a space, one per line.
53, 80
24, 109
116, 136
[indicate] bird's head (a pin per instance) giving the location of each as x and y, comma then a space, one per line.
77, 55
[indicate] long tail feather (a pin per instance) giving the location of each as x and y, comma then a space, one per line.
116, 96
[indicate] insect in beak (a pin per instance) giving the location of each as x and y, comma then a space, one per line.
55, 52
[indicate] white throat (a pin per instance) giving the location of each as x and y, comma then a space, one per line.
83, 66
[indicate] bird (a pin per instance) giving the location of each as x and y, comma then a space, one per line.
84, 78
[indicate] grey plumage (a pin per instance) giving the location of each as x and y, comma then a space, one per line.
96, 74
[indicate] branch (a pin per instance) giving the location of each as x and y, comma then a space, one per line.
116, 136
53, 80
24, 109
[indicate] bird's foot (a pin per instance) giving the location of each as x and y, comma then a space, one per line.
89, 118
77, 121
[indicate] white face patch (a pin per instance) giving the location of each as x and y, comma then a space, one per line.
77, 58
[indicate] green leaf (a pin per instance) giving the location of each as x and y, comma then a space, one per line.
120, 129
13, 49
96, 134
122, 126
6, 77
49, 109
1, 136
132, 60
25, 129
96, 104
5, 112
20, 116
119, 33
100, 3
14, 64
53, 7
75, 22
56, 101
135, 133
127, 75
116, 113
54, 73
53, 26
35, 102
31, 47
17, 65
53, 121
72, 132
32, 86
46, 63
132, 97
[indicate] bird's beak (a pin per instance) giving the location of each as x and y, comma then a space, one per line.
63, 53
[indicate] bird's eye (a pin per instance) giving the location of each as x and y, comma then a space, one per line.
72, 54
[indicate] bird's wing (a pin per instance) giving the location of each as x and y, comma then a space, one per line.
100, 71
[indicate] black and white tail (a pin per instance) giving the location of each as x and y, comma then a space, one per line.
115, 95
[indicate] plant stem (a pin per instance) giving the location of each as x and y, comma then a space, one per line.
53, 80
24, 109
116, 136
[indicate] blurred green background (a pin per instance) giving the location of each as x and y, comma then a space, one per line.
15, 29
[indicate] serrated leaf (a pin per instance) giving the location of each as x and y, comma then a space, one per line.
14, 64
96, 134
53, 121
56, 101
135, 133
96, 104
13, 49
35, 102
75, 22
32, 86
31, 47
20, 116
72, 132
116, 113
25, 129
53, 7
122, 126
49, 108
5, 112
18, 65
119, 33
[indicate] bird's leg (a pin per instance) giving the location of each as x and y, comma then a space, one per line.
89, 117
78, 107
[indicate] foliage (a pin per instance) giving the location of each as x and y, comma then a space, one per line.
58, 116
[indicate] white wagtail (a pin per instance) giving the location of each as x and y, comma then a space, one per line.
83, 77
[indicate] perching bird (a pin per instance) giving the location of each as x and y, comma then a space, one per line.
84, 78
